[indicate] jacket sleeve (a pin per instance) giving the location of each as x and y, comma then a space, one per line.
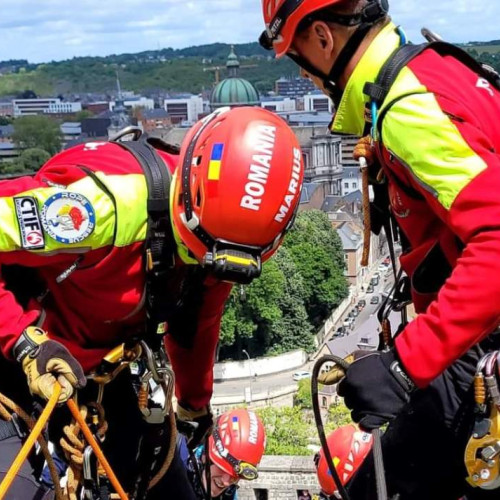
193, 366
22, 241
454, 163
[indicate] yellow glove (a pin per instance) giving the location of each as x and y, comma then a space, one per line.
46, 361
195, 424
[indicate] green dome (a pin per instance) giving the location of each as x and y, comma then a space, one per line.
234, 92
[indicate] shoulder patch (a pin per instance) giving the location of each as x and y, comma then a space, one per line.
30, 227
68, 217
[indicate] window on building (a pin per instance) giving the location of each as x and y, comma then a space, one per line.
354, 185
346, 185
324, 402
261, 494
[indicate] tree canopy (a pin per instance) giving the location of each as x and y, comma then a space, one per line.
39, 132
298, 289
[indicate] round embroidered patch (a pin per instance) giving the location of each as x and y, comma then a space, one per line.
68, 217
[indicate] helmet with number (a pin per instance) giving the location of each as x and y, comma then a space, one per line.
282, 18
348, 447
237, 443
237, 188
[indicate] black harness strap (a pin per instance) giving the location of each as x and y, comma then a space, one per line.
160, 242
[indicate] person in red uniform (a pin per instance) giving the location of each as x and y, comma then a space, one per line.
436, 135
73, 236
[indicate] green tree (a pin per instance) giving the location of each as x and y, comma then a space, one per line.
33, 158
251, 312
4, 120
289, 431
303, 398
12, 167
292, 330
37, 132
316, 250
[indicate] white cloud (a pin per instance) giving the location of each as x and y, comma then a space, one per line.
47, 30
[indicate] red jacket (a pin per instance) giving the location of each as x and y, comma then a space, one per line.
441, 139
80, 222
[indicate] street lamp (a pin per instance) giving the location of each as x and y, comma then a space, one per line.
249, 395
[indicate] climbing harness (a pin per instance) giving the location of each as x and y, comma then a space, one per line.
482, 453
333, 376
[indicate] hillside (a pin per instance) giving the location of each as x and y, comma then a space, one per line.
178, 70
167, 69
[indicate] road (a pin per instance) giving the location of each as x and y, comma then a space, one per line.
366, 320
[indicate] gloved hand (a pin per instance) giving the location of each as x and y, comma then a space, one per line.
195, 424
46, 361
375, 388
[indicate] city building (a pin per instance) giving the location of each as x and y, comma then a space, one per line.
279, 104
305, 119
184, 109
133, 102
70, 131
317, 101
154, 119
294, 87
6, 108
49, 105
6, 132
96, 107
234, 91
351, 180
321, 153
348, 144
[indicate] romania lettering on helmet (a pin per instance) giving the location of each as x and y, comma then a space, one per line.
259, 169
293, 187
254, 428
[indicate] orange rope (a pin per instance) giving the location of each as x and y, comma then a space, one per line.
366, 212
97, 450
26, 448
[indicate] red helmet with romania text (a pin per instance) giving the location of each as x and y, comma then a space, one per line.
237, 443
237, 188
348, 447
282, 18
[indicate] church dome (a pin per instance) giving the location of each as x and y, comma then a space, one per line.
234, 91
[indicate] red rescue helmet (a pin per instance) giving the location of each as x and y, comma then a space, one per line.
237, 188
282, 18
237, 443
348, 447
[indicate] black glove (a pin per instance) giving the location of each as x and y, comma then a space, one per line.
194, 424
375, 388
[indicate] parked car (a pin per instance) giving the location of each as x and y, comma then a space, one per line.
375, 299
348, 323
301, 375
354, 312
340, 332
361, 303
370, 289
374, 281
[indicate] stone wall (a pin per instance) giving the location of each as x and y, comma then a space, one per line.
282, 478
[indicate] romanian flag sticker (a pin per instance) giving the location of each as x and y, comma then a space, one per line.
236, 424
215, 161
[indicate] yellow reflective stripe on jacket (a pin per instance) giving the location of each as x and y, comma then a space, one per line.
427, 142
131, 195
130, 220
350, 115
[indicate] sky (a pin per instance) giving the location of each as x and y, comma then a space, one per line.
53, 30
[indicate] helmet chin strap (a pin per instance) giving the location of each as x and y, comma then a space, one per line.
330, 80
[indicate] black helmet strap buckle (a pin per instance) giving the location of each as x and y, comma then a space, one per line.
244, 470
